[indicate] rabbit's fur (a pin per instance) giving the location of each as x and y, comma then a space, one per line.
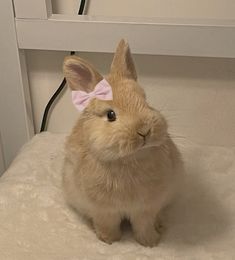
128, 168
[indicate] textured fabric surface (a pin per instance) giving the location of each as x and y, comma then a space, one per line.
35, 222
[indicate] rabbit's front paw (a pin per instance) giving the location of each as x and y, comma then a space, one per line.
149, 239
144, 229
108, 227
108, 235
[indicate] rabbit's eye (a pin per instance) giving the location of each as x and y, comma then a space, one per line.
111, 115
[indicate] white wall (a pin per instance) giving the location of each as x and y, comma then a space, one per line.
152, 8
2, 163
196, 94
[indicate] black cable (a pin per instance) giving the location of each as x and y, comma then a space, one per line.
82, 6
62, 84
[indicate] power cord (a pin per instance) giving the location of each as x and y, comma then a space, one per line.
62, 84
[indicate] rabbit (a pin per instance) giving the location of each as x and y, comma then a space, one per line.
120, 162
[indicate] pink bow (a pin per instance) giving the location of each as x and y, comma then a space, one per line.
102, 91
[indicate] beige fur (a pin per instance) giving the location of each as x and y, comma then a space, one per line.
110, 171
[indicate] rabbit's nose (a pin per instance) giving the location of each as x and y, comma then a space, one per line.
144, 133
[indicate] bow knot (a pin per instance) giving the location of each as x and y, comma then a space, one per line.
102, 91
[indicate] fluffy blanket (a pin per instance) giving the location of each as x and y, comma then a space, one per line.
36, 223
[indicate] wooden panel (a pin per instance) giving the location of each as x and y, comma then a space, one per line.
40, 9
16, 124
208, 38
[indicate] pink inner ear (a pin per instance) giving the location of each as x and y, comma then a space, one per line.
83, 75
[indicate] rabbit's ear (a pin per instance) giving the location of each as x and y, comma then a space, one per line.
123, 65
79, 74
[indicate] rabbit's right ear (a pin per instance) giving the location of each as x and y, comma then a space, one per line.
79, 74
123, 64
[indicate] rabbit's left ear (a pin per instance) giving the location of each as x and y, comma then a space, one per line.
123, 65
80, 75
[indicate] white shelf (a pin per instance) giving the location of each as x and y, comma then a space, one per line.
206, 38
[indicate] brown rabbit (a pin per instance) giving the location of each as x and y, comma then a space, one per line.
120, 162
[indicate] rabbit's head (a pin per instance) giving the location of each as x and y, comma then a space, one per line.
112, 129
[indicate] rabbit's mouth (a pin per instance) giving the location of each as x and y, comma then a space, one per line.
143, 142
153, 141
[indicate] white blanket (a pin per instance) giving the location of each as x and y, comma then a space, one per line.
35, 222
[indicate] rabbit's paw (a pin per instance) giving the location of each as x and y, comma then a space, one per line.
108, 235
149, 239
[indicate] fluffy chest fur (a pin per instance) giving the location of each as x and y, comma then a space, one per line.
143, 180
